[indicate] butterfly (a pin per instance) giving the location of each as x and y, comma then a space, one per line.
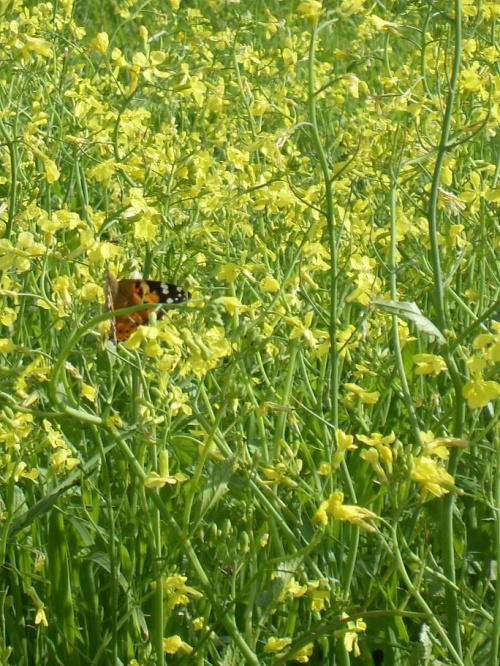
126, 293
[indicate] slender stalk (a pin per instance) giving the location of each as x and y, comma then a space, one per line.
431, 617
448, 501
279, 432
332, 241
412, 416
113, 569
495, 641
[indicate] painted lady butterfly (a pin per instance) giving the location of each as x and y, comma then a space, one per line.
125, 293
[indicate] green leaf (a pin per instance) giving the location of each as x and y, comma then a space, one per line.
411, 312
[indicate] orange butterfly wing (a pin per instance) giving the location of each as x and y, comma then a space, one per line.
126, 293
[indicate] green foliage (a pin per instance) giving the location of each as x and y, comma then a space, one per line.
301, 463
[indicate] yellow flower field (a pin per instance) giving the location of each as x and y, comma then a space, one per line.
249, 332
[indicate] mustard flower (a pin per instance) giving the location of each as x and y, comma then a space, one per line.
279, 475
293, 590
92, 292
270, 284
440, 446
365, 396
62, 461
429, 363
303, 329
100, 43
40, 617
88, 392
276, 644
334, 507
310, 10
433, 478
344, 443
381, 446
479, 392
178, 592
351, 636
175, 644
7, 316
162, 477
350, 7
6, 346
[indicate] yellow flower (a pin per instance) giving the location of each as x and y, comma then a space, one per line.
175, 644
276, 644
6, 346
429, 363
278, 474
270, 284
52, 173
433, 479
384, 26
293, 590
178, 592
40, 617
7, 316
479, 392
100, 43
310, 10
145, 229
349, 7
344, 443
40, 560
439, 447
334, 507
61, 460
178, 401
351, 636
231, 303
101, 252
365, 396
88, 392
35, 45
103, 171
372, 456
229, 272
92, 292
303, 329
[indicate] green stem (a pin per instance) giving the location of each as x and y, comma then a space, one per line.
412, 416
495, 641
431, 617
332, 241
14, 161
447, 502
279, 432
113, 569
249, 656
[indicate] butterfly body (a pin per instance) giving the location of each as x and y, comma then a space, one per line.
122, 294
